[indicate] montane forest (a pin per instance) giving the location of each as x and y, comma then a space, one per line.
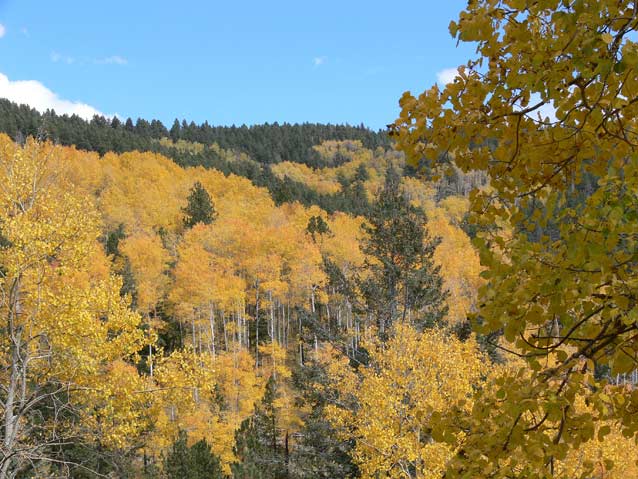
452, 297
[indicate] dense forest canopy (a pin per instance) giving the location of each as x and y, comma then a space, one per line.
268, 143
230, 293
318, 301
251, 152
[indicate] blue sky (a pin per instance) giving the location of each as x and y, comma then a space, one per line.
226, 62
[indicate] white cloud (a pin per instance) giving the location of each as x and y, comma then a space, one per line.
36, 95
57, 57
318, 61
112, 60
24, 31
446, 76
546, 111
3, 30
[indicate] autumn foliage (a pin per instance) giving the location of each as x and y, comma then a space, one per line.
476, 320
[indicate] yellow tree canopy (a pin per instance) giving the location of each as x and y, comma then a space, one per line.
149, 262
67, 327
548, 109
410, 377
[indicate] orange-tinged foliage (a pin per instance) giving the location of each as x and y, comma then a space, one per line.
318, 180
255, 260
208, 397
460, 264
143, 191
149, 261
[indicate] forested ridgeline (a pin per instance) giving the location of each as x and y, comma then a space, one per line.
267, 143
243, 150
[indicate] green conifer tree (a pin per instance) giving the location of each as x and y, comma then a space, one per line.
257, 445
176, 131
194, 462
403, 283
204, 464
200, 207
318, 453
177, 463
317, 226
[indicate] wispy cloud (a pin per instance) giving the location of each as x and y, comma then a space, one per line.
3, 30
446, 76
59, 58
38, 96
318, 61
112, 60
24, 31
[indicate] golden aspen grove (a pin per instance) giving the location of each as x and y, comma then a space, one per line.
455, 297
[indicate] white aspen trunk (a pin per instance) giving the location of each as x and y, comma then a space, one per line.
287, 313
300, 343
257, 326
276, 320
17, 384
211, 318
193, 333
272, 317
312, 298
225, 331
284, 324
10, 418
181, 332
279, 318
150, 346
245, 324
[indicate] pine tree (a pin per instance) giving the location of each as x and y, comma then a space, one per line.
200, 208
204, 464
403, 282
177, 463
319, 452
175, 131
361, 175
257, 444
195, 462
317, 226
